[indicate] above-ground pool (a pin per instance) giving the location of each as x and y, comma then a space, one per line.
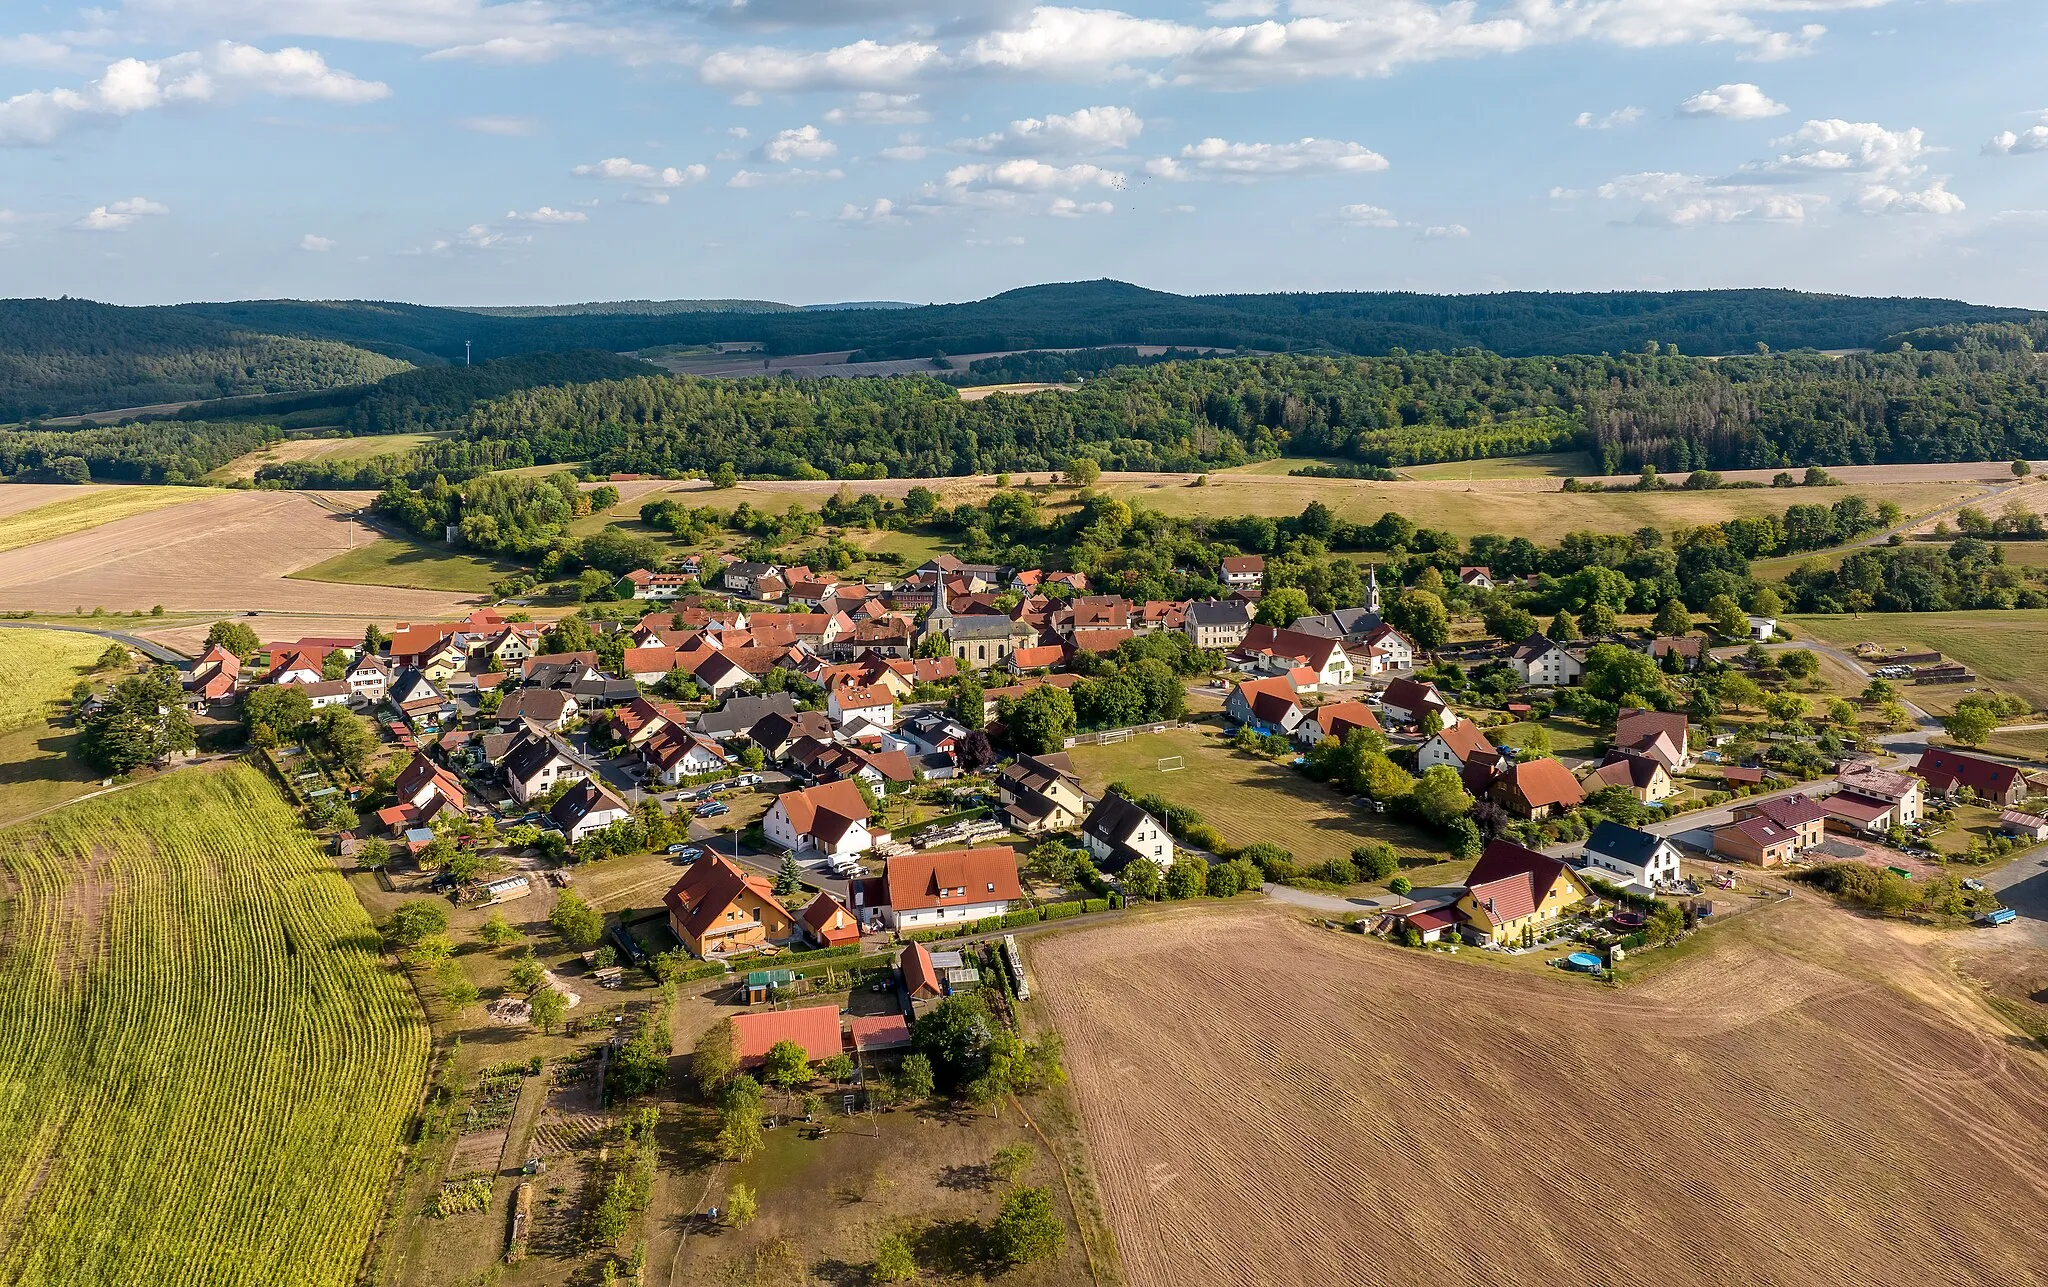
1586, 961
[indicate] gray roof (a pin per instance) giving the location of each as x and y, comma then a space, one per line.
981, 625
580, 801
1114, 819
1627, 844
1344, 623
749, 571
1219, 612
742, 713
531, 756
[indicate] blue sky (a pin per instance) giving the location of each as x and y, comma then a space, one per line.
462, 151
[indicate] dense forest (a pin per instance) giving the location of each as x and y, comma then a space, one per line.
64, 356
429, 398
1115, 313
136, 453
1983, 395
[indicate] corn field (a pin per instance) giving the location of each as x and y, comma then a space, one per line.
205, 1069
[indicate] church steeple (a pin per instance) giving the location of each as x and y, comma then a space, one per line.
1372, 590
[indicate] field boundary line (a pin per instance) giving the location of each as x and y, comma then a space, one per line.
1067, 1183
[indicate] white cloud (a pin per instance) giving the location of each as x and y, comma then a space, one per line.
1068, 208
1934, 199
1689, 200
317, 244
547, 214
1031, 175
507, 126
1847, 147
1445, 232
1368, 217
764, 178
1776, 46
2008, 143
1618, 117
1215, 157
1089, 131
804, 143
873, 108
882, 211
481, 236
119, 216
619, 169
905, 152
225, 71
1739, 102
863, 65
646, 197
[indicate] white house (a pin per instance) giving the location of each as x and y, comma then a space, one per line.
534, 766
829, 819
941, 887
1762, 629
1405, 701
1539, 661
1118, 832
370, 678
1452, 746
873, 703
1641, 857
587, 808
674, 754
328, 692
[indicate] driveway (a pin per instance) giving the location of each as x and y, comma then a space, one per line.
1315, 902
2022, 885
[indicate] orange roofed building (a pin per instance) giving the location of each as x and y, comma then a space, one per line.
943, 886
716, 908
814, 1027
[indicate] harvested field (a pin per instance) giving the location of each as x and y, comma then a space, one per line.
228, 552
38, 667
31, 513
298, 449
1806, 1097
976, 392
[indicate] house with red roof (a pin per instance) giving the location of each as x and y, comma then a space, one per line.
1453, 745
827, 922
830, 819
717, 908
1515, 893
814, 1027
942, 887
213, 678
920, 975
874, 703
1406, 701
1285, 650
875, 1034
1642, 776
1537, 789
1756, 840
1658, 734
1267, 705
1243, 572
1798, 814
1948, 772
1335, 719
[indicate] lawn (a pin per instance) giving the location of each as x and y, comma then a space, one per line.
1246, 797
210, 1070
38, 771
78, 513
410, 565
38, 668
1567, 736
2004, 648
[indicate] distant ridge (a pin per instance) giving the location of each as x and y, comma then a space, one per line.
642, 308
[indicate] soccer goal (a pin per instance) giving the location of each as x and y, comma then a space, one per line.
1116, 735
1168, 763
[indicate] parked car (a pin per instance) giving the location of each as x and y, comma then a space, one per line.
713, 810
1973, 885
685, 853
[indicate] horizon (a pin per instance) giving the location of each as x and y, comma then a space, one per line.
459, 150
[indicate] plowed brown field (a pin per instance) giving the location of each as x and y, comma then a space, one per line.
1275, 1104
227, 553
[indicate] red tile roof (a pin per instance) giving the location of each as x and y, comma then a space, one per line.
1339, 718
1791, 812
708, 887
1945, 770
952, 877
1464, 739
1544, 782
815, 1028
879, 1032
826, 810
830, 922
920, 976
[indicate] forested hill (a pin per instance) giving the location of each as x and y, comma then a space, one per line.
1108, 312
61, 356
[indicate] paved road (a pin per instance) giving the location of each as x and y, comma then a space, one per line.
153, 651
1315, 902
2022, 885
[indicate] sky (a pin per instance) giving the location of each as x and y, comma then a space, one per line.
550, 151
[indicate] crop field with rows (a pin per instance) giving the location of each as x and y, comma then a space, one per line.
205, 1068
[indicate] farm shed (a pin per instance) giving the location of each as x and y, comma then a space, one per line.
815, 1028
878, 1033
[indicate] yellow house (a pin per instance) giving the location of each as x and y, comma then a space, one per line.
510, 647
443, 664
1639, 775
716, 909
1514, 894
